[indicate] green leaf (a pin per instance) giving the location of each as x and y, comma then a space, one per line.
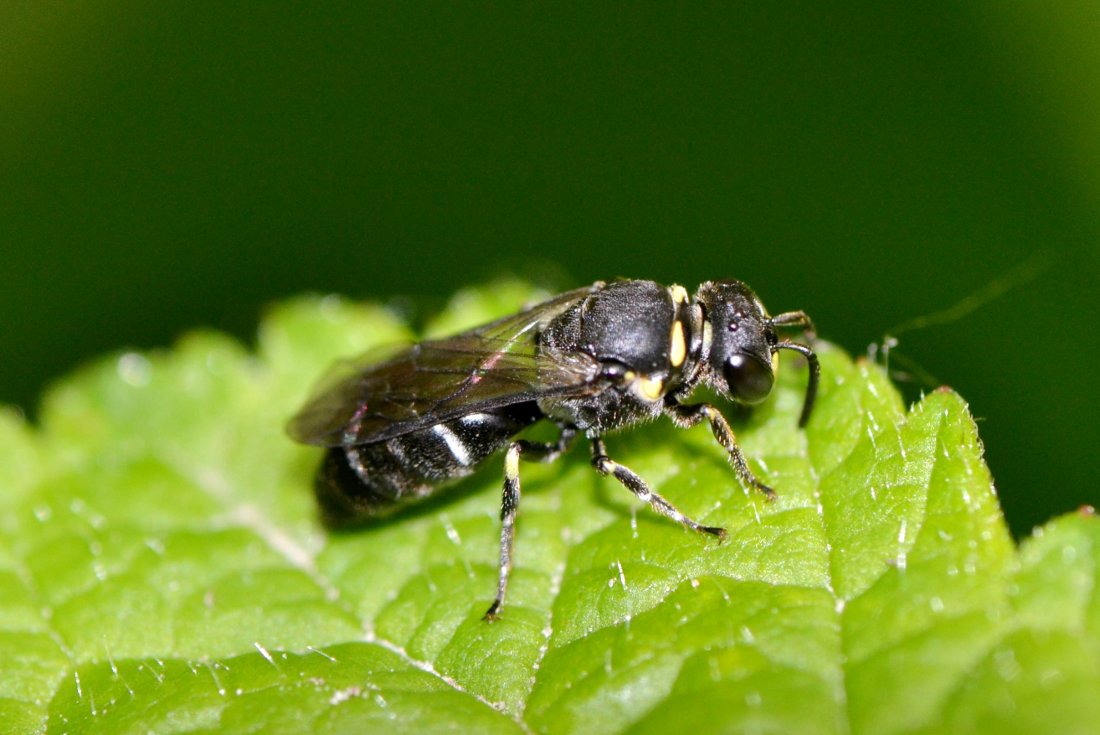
162, 569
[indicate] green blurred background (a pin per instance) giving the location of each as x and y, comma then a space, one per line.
165, 165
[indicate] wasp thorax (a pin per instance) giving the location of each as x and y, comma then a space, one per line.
742, 338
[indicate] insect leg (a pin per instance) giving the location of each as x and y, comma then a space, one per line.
688, 416
607, 466
510, 502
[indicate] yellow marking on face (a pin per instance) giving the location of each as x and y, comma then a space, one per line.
651, 388
678, 350
775, 361
679, 293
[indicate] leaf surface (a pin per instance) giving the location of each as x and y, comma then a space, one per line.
162, 568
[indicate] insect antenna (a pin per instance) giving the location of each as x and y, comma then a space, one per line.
795, 319
801, 319
815, 375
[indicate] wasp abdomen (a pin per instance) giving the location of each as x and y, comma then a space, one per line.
373, 480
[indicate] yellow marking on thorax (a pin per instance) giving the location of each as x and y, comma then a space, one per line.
677, 351
679, 293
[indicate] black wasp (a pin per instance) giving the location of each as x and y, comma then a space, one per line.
591, 360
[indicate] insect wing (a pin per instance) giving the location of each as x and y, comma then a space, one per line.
342, 392
498, 364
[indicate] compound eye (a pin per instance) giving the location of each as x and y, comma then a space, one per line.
749, 380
